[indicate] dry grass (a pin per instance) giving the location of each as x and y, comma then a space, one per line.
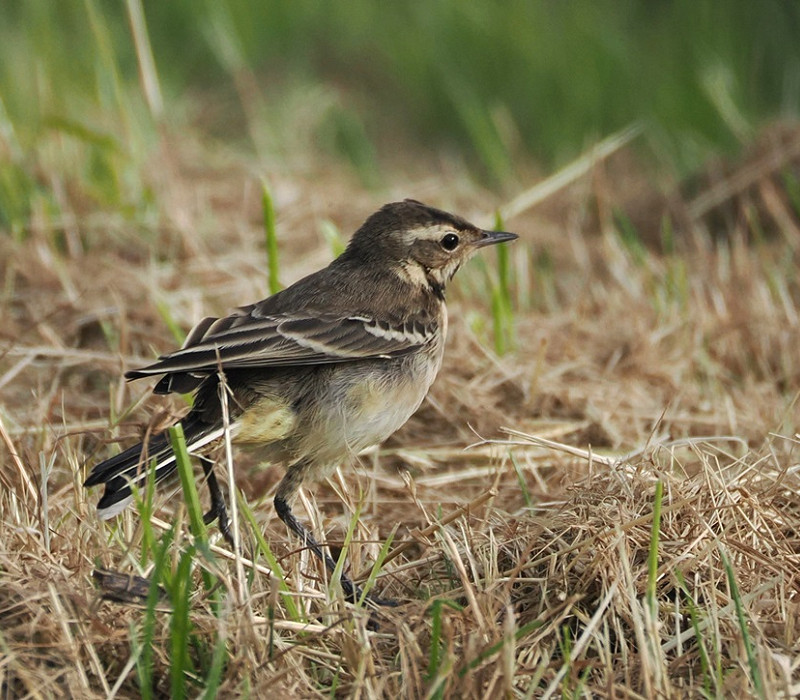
638, 366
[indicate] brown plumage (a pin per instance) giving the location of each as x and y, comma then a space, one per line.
329, 366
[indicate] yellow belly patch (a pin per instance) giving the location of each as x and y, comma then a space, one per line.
266, 421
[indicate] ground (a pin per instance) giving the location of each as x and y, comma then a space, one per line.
634, 361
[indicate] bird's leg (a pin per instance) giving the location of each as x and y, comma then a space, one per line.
218, 511
286, 490
351, 591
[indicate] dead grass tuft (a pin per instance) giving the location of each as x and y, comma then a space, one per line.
525, 565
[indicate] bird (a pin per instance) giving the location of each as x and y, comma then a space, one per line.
317, 372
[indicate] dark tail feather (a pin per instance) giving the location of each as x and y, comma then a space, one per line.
131, 467
125, 461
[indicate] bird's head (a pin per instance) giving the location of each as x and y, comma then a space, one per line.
424, 245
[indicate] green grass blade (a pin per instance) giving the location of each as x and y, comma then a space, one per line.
165, 311
498, 646
434, 655
144, 671
752, 661
336, 576
791, 185
180, 628
694, 617
652, 556
376, 567
110, 81
188, 484
271, 237
502, 308
263, 548
333, 237
523, 486
214, 676
481, 130
436, 641
343, 133
630, 238
192, 498
145, 58
144, 507
144, 664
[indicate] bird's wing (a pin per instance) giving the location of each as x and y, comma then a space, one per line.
247, 339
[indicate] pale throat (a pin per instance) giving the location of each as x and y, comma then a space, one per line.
421, 276
412, 272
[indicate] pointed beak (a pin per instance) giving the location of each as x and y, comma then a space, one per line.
492, 237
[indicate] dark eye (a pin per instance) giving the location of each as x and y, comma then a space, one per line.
450, 241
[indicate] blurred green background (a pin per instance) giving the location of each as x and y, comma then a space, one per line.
499, 83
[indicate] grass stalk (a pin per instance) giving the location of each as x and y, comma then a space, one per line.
502, 307
144, 56
145, 662
519, 633
188, 484
144, 506
333, 237
262, 547
271, 238
652, 555
181, 627
694, 618
336, 577
437, 644
523, 485
741, 616
165, 311
376, 567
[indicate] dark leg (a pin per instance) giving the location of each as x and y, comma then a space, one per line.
351, 591
218, 511
286, 489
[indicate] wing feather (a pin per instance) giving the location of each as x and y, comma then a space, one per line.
246, 339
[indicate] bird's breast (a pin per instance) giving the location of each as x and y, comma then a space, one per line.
383, 401
364, 404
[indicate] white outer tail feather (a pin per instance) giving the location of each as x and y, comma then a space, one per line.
141, 478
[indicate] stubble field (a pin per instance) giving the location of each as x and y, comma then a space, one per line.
595, 383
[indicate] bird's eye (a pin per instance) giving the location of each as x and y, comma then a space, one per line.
450, 241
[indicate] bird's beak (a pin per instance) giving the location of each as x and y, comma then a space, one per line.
492, 237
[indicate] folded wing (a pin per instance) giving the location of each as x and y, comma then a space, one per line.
246, 339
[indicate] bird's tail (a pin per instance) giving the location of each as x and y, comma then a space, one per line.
130, 468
